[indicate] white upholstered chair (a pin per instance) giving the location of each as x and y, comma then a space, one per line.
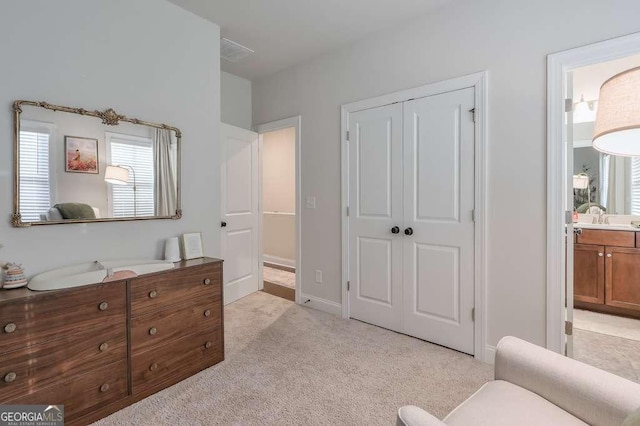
534, 387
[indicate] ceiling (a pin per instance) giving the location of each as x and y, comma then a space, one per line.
286, 32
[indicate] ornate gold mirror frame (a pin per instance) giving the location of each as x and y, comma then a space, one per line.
108, 117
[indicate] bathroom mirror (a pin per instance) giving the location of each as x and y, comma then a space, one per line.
74, 165
614, 181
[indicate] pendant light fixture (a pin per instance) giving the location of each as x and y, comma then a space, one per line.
617, 129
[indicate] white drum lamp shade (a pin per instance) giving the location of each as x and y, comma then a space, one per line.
116, 175
617, 129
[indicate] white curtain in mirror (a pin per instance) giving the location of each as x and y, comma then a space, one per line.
605, 167
166, 177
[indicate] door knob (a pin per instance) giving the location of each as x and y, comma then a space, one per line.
223, 224
395, 230
408, 231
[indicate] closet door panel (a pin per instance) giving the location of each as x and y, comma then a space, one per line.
438, 167
375, 202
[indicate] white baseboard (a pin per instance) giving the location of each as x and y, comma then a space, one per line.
490, 354
291, 263
321, 304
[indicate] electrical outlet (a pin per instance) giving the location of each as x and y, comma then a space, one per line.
318, 276
310, 202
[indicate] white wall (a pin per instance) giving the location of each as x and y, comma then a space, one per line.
235, 99
279, 170
511, 39
147, 59
279, 194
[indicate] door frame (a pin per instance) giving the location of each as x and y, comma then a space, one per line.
557, 65
296, 123
480, 82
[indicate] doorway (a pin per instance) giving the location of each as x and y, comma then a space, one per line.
594, 305
279, 147
413, 228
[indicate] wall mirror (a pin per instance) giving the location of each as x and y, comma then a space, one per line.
74, 165
603, 183
613, 181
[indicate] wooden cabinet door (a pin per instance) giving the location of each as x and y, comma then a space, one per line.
588, 273
623, 277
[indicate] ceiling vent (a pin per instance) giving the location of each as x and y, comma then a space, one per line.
232, 51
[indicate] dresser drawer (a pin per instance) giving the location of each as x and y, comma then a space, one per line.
79, 394
50, 315
170, 324
149, 294
35, 367
175, 361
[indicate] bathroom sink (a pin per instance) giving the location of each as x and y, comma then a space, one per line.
94, 272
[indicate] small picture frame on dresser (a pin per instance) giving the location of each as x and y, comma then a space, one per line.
192, 246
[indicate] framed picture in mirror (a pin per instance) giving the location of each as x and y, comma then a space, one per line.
81, 155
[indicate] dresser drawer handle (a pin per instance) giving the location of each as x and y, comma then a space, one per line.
103, 306
207, 281
207, 345
153, 331
153, 367
10, 328
207, 313
104, 387
153, 294
10, 377
104, 346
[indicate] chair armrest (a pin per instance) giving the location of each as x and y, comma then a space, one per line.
595, 396
410, 415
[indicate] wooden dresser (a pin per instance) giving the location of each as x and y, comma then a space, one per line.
606, 270
98, 348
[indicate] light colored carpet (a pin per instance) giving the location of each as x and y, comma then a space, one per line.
612, 325
278, 276
614, 354
290, 365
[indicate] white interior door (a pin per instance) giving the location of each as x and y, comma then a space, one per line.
240, 212
375, 203
438, 219
568, 289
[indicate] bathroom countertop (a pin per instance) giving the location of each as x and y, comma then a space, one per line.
606, 227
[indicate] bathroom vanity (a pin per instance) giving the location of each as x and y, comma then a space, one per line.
607, 269
98, 348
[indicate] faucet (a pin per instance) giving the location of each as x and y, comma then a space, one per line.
601, 218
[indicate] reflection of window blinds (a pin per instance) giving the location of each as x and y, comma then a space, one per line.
35, 193
635, 185
138, 155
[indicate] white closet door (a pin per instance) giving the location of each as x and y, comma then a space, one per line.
240, 225
375, 201
438, 256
